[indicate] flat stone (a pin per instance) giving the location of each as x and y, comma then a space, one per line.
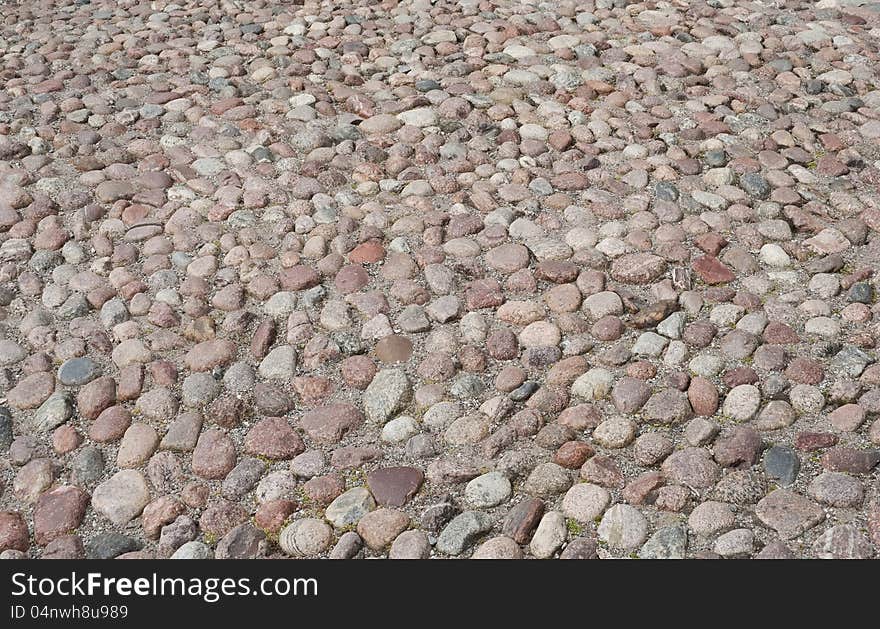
836, 489
788, 513
638, 268
692, 467
395, 486
123, 497
59, 511
330, 423
78, 371
782, 464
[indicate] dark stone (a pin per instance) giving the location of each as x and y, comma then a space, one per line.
524, 391
87, 466
5, 428
111, 544
394, 486
666, 191
78, 371
782, 464
755, 185
436, 516
862, 293
523, 519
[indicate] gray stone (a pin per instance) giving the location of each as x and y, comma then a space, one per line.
668, 542
782, 464
5, 428
736, 543
843, 541
488, 490
56, 410
348, 508
193, 550
111, 544
386, 395
78, 371
462, 532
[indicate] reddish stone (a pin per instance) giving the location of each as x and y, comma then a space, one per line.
521, 521
330, 423
805, 371
603, 470
711, 243
712, 270
351, 278
271, 516
358, 371
740, 375
812, 441
110, 425
703, 396
367, 252
394, 486
58, 512
13, 531
214, 455
66, 439
226, 411
777, 333
298, 277
96, 396
637, 490
324, 489
483, 293
842, 459
221, 516
273, 438
65, 547
161, 511
573, 454
263, 338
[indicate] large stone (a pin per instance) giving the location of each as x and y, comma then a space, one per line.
122, 497
637, 268
58, 512
788, 513
330, 423
623, 527
692, 467
394, 486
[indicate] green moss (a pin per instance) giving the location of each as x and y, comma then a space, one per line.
574, 527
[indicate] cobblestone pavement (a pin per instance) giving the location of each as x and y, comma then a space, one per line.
492, 279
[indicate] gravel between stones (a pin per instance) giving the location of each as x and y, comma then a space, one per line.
439, 279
